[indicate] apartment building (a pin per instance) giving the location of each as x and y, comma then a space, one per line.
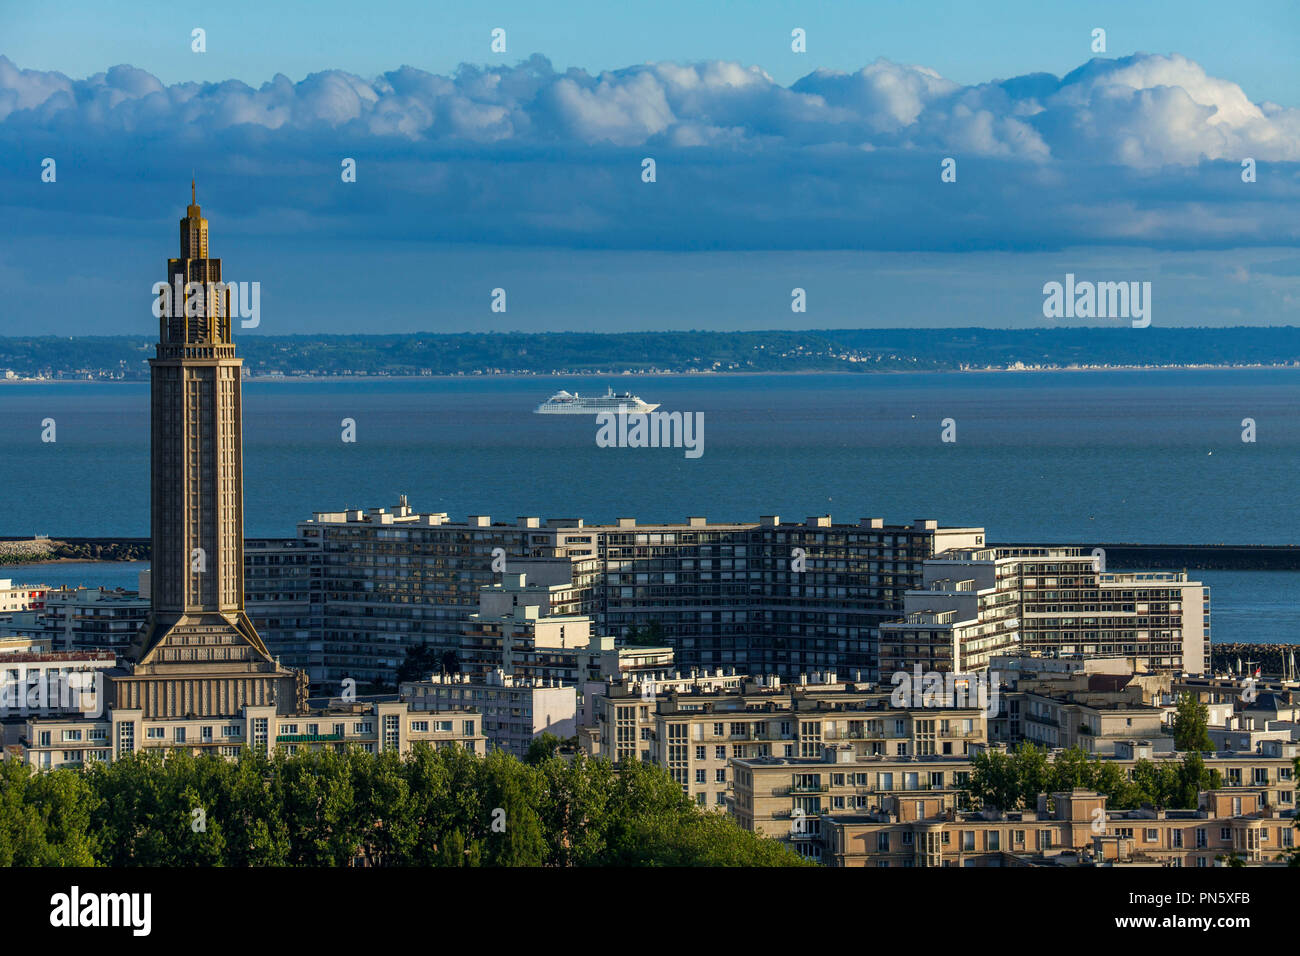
82, 619
770, 792
764, 597
768, 598
515, 710
51, 683
354, 589
373, 726
1095, 712
941, 641
965, 612
696, 728
284, 597
1069, 605
20, 597
930, 831
533, 631
1059, 602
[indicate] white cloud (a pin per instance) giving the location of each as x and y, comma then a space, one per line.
1139, 111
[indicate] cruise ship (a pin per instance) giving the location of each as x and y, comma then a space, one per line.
570, 403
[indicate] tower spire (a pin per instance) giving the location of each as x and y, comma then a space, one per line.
193, 201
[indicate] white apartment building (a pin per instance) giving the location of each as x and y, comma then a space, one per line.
373, 726
515, 710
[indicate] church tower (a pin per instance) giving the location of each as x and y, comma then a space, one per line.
198, 653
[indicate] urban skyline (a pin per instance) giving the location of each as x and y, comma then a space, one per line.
1021, 670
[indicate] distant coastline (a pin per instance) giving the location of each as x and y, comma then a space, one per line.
47, 359
685, 373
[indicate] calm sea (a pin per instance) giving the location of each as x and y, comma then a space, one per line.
1152, 456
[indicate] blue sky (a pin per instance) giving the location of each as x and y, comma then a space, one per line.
774, 169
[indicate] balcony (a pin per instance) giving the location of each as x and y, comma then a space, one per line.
809, 788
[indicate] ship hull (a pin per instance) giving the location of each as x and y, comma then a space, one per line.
639, 409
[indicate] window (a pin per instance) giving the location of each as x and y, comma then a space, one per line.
125, 738
968, 839
1225, 833
442, 726
363, 727
45, 738
700, 753
993, 839
882, 842
720, 752
155, 733
1151, 835
179, 735
720, 775
419, 726
699, 776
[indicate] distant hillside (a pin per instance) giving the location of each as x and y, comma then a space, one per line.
856, 350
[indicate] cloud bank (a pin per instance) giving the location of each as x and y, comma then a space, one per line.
1143, 149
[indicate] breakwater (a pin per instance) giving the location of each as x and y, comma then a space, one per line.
1176, 557
1137, 557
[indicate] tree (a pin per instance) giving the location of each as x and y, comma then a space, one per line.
648, 635
420, 661
1191, 724
446, 807
1193, 777
511, 794
995, 780
45, 817
542, 748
